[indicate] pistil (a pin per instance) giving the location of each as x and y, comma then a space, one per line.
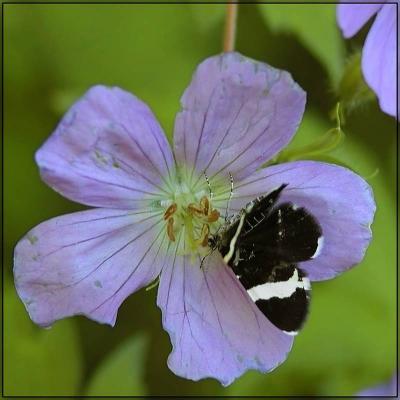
194, 218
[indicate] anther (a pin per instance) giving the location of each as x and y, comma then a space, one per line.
205, 205
203, 239
194, 209
204, 234
170, 211
170, 229
213, 216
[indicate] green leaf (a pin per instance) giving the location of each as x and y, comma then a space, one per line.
352, 88
208, 17
315, 25
122, 372
319, 147
131, 52
38, 362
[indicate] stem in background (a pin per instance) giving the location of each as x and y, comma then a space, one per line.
230, 26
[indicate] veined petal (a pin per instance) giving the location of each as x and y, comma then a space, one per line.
108, 151
215, 328
236, 114
339, 199
352, 17
387, 389
379, 58
87, 263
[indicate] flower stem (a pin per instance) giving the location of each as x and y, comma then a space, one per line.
230, 27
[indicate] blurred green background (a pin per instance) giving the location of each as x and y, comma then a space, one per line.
53, 53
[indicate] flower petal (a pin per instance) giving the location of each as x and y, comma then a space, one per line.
215, 329
379, 58
108, 151
387, 389
87, 263
236, 114
352, 17
340, 200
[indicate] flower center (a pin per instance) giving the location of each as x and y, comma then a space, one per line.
193, 215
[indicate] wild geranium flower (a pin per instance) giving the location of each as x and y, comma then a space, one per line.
389, 388
379, 52
155, 212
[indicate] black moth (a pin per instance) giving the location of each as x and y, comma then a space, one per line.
263, 244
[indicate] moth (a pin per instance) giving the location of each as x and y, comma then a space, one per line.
263, 245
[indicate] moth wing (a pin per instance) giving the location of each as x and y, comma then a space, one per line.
286, 234
260, 206
284, 302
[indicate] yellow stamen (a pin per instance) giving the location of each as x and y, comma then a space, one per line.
213, 216
191, 217
170, 229
205, 231
205, 205
193, 209
170, 211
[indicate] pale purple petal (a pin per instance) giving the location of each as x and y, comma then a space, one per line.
108, 151
352, 17
87, 263
340, 200
379, 58
388, 389
236, 114
215, 328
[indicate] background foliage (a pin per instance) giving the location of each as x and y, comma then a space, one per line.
53, 53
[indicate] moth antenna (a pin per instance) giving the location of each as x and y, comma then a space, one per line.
230, 197
209, 186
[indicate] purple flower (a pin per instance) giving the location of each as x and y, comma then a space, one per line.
110, 152
387, 389
379, 53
